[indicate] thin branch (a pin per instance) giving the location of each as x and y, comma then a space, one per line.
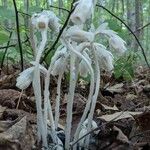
13, 45
8, 46
61, 8
3, 58
60, 33
143, 52
18, 34
25, 14
141, 28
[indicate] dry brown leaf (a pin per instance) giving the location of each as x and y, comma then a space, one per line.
115, 88
121, 136
131, 96
119, 115
110, 108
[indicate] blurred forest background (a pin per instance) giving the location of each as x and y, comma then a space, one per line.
134, 13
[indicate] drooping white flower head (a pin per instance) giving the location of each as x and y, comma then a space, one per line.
59, 61
105, 57
25, 78
115, 41
83, 11
78, 35
45, 19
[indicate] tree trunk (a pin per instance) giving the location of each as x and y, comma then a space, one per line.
130, 19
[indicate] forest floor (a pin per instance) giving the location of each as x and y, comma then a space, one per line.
122, 112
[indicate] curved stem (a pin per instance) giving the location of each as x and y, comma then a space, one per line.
57, 113
94, 98
72, 85
48, 107
37, 91
91, 87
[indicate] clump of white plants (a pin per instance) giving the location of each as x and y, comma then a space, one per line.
78, 54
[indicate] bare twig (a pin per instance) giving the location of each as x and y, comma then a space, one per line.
2, 62
19, 99
61, 8
7, 46
18, 34
143, 52
25, 14
13, 45
141, 28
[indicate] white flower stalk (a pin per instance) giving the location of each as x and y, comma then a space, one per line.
40, 22
71, 93
57, 110
60, 64
114, 40
78, 35
83, 11
54, 69
105, 57
72, 85
94, 98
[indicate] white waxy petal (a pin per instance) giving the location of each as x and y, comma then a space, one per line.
105, 57
83, 11
115, 41
59, 66
79, 35
25, 78
59, 61
118, 44
45, 19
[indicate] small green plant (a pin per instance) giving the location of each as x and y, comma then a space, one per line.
124, 66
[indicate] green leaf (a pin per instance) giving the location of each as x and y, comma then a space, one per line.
3, 37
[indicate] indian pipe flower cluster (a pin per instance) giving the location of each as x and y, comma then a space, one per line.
78, 54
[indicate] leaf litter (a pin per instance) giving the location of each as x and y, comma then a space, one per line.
123, 118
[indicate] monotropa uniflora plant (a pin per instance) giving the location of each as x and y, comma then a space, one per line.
79, 54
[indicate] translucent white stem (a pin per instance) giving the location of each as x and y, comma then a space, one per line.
70, 99
47, 106
91, 86
37, 91
91, 91
57, 113
94, 98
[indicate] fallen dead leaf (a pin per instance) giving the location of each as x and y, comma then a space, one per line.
131, 96
117, 88
119, 115
121, 136
109, 108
